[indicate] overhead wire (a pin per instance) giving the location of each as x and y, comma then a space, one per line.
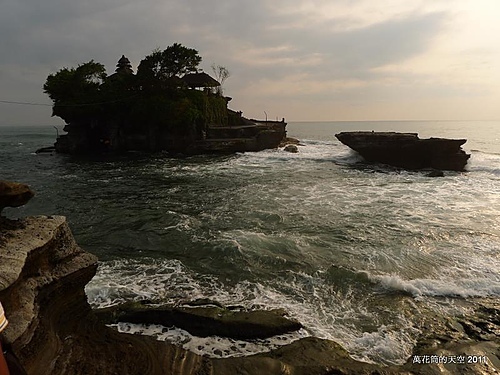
23, 103
66, 105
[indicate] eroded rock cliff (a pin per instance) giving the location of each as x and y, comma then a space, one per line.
53, 330
407, 150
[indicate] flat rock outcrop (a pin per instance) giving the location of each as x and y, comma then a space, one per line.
204, 321
407, 150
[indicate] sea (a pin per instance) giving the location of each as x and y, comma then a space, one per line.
357, 252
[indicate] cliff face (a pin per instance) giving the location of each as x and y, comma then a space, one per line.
54, 331
51, 326
86, 137
407, 150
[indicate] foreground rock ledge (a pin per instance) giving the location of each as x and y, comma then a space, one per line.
204, 321
53, 330
407, 150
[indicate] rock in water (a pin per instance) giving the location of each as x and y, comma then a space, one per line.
14, 194
407, 150
204, 321
435, 174
291, 148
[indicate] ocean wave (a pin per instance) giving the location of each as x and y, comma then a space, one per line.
484, 162
324, 310
309, 151
387, 344
480, 287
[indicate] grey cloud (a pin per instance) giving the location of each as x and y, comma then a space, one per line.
352, 54
45, 36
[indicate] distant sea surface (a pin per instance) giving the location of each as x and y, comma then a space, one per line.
358, 253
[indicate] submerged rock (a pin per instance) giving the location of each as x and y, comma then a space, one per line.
407, 150
14, 194
291, 148
435, 174
289, 141
204, 321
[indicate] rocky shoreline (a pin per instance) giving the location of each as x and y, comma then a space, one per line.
53, 329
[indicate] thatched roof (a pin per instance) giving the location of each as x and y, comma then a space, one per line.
200, 80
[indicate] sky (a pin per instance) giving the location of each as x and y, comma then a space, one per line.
317, 60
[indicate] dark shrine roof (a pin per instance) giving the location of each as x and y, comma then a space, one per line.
124, 66
200, 80
123, 61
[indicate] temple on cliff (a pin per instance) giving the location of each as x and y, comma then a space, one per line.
181, 115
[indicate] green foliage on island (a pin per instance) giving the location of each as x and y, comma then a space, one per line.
174, 61
155, 97
74, 90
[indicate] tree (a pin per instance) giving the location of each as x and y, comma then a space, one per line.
221, 74
74, 90
72, 84
174, 61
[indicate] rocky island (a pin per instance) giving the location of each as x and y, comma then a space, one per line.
407, 150
169, 104
53, 330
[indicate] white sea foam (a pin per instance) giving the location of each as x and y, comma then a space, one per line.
387, 343
119, 281
444, 288
320, 309
392, 220
212, 346
484, 162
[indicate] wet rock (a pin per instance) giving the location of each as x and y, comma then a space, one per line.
308, 356
203, 302
291, 148
464, 345
46, 150
435, 173
289, 141
14, 194
205, 321
54, 331
52, 328
407, 150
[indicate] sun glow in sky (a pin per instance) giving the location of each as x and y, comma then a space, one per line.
319, 60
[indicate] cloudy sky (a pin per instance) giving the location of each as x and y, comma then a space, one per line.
317, 60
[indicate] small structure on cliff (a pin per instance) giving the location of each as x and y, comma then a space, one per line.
124, 66
407, 150
201, 79
156, 109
